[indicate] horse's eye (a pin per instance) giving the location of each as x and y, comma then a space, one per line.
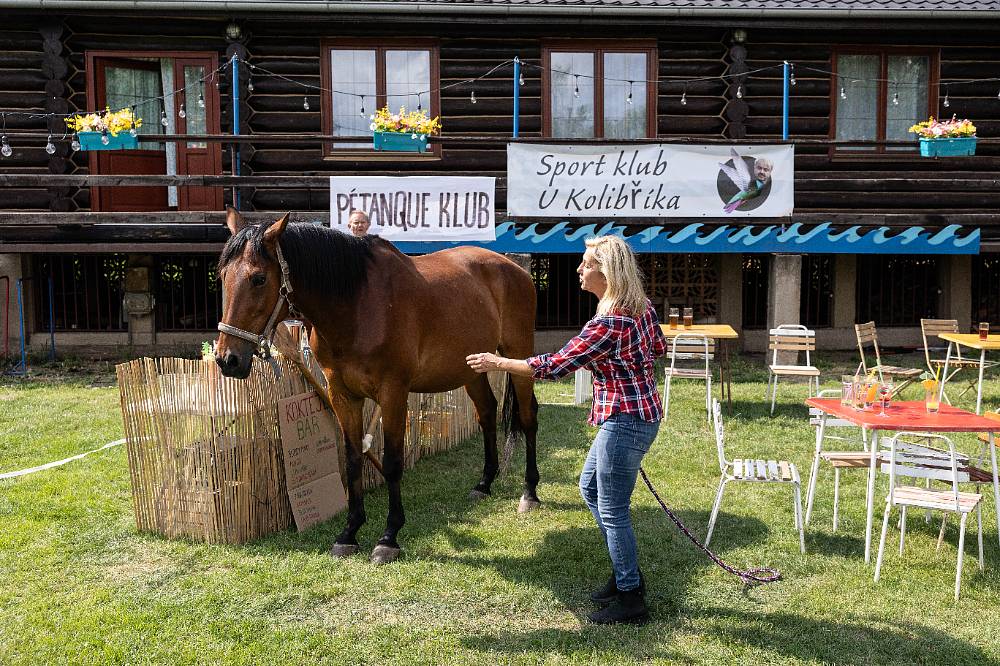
258, 280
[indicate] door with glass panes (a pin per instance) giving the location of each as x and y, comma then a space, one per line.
173, 93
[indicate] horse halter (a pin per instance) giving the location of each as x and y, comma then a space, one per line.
263, 341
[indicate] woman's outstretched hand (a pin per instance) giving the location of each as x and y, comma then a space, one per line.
484, 362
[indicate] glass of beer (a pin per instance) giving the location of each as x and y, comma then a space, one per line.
688, 317
984, 330
674, 316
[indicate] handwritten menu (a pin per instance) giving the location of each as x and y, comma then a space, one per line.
309, 435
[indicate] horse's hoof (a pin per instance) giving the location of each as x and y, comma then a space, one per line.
384, 554
527, 505
344, 549
477, 495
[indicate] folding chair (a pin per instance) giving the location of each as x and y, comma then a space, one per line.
868, 336
696, 348
925, 462
789, 339
837, 459
929, 329
753, 471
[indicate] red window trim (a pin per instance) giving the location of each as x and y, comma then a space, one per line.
380, 46
597, 48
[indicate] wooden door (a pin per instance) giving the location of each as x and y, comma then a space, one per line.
139, 80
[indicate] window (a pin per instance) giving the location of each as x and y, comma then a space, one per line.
599, 91
363, 78
756, 269
188, 293
816, 307
878, 95
985, 288
86, 292
897, 290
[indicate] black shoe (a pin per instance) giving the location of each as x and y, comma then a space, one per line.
628, 608
606, 594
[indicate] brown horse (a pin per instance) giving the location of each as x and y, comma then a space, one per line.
383, 325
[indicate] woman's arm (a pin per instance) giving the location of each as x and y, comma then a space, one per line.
486, 362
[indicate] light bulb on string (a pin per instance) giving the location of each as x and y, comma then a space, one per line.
305, 103
75, 143
998, 94
163, 118
576, 86
472, 97
791, 73
201, 100
520, 79
362, 114
739, 91
843, 93
50, 147
5, 148
628, 100
895, 99
946, 102
684, 97
181, 113
105, 139
249, 85
131, 123
419, 107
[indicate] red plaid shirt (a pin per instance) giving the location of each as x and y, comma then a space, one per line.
619, 350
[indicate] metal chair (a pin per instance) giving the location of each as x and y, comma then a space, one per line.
837, 459
868, 337
690, 347
925, 462
929, 330
785, 340
748, 470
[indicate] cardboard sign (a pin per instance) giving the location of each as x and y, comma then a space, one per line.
309, 436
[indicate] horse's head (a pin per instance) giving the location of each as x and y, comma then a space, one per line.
252, 303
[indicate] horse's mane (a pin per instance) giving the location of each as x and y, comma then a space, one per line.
318, 257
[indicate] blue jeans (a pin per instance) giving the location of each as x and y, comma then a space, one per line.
606, 483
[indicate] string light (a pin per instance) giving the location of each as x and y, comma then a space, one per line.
75, 143
791, 73
843, 92
628, 100
5, 148
472, 97
895, 99
305, 103
201, 100
362, 114
520, 79
576, 86
163, 118
250, 84
419, 107
684, 96
946, 102
50, 147
181, 112
105, 139
132, 129
739, 91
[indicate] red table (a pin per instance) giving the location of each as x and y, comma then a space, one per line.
912, 416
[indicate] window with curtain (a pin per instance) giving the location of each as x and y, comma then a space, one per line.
363, 78
878, 95
600, 92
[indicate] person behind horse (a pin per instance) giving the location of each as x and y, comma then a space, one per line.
358, 222
619, 346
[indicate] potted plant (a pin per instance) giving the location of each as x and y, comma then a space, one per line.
946, 138
402, 131
106, 130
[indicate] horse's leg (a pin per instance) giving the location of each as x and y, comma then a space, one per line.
350, 412
527, 413
482, 397
393, 400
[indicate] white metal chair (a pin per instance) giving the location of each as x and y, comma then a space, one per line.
697, 350
929, 330
748, 470
785, 340
925, 462
837, 459
868, 337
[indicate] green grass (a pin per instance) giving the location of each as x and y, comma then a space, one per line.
478, 583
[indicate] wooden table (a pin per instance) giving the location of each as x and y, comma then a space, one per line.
971, 340
902, 416
720, 333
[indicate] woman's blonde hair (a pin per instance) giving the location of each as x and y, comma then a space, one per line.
625, 292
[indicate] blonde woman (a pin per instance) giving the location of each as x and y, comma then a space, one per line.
619, 346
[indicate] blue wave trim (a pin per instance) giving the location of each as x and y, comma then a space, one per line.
820, 239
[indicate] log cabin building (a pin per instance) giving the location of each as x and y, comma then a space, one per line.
116, 249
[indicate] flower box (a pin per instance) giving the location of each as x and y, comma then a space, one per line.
121, 141
400, 141
948, 146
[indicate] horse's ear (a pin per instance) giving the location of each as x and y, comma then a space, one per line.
234, 220
275, 230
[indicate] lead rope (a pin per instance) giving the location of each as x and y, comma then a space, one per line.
750, 577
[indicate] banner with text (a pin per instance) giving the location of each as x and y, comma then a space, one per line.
651, 180
417, 208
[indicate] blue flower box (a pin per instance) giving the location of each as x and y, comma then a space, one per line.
400, 141
948, 146
92, 141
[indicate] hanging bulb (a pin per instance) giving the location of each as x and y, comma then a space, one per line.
684, 98
182, 113
250, 85
50, 147
105, 139
791, 74
628, 100
362, 113
419, 107
131, 124
305, 102
998, 94
75, 143
895, 99
843, 93
5, 148
576, 85
201, 101
946, 102
520, 79
163, 118
472, 97
739, 91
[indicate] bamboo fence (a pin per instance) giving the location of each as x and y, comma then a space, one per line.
205, 455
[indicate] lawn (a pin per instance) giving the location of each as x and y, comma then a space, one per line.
478, 583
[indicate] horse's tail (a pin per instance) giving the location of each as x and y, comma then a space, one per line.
510, 421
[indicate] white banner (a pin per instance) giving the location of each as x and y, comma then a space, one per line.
651, 180
417, 208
